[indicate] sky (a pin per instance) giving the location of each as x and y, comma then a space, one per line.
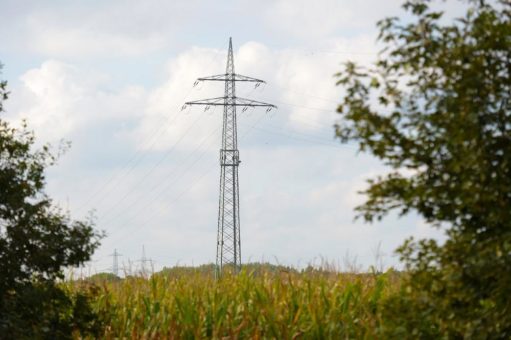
111, 77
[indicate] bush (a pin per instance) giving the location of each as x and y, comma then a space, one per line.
36, 241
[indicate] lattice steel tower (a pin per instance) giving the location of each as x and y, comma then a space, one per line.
228, 250
115, 264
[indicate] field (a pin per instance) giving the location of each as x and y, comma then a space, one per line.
281, 304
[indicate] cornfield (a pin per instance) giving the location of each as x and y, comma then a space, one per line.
263, 304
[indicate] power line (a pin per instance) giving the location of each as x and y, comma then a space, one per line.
175, 179
303, 137
154, 167
163, 188
201, 176
316, 51
197, 179
147, 173
158, 185
135, 159
192, 182
138, 156
307, 94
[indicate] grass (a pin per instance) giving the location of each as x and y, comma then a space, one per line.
279, 304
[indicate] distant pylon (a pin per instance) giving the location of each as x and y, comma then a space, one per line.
115, 264
228, 249
143, 261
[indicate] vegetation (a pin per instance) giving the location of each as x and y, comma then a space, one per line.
437, 105
317, 304
208, 270
103, 277
36, 242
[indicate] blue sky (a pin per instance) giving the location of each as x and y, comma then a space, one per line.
111, 77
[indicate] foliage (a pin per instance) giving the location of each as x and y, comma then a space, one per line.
36, 241
103, 277
435, 108
269, 304
208, 270
42, 310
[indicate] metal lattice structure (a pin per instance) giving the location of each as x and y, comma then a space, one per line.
115, 264
228, 252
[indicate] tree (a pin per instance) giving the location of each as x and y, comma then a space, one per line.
436, 109
37, 241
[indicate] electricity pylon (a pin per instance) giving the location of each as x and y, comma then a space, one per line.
228, 249
115, 265
143, 260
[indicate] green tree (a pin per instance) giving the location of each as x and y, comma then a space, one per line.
435, 108
36, 242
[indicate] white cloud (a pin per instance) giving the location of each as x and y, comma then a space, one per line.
307, 19
57, 99
165, 102
104, 30
83, 43
310, 20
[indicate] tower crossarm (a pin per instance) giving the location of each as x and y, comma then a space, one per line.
252, 103
220, 101
231, 77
